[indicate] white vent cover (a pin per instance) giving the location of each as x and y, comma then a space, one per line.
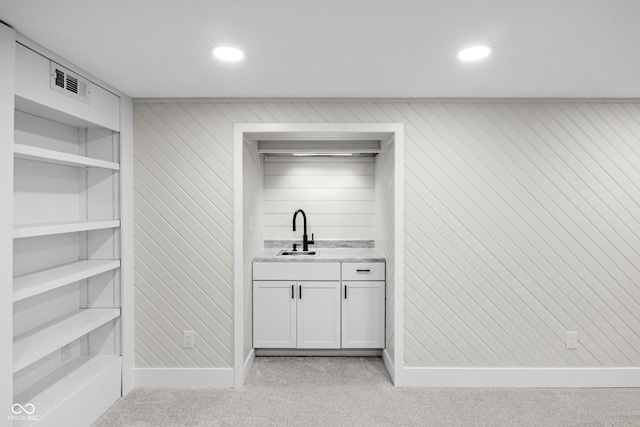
69, 83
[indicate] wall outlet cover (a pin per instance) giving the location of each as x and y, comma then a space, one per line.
572, 340
188, 339
65, 353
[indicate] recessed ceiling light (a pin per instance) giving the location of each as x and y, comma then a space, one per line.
474, 53
228, 53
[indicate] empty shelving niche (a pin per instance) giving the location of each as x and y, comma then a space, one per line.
67, 286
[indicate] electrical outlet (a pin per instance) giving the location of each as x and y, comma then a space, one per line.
188, 339
65, 352
572, 340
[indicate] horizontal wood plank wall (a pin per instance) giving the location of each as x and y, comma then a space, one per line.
335, 193
521, 223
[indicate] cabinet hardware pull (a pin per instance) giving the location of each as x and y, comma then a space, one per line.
345, 291
293, 293
364, 270
300, 290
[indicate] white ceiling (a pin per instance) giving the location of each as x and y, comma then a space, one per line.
345, 48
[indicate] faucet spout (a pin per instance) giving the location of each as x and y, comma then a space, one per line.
305, 239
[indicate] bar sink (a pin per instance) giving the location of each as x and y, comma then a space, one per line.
290, 252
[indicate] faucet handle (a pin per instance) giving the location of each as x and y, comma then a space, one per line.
311, 242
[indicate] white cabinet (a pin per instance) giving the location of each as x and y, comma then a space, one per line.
363, 314
363, 305
274, 314
296, 305
304, 305
318, 315
288, 314
66, 285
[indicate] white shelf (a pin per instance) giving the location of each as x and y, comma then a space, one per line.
35, 283
27, 152
85, 378
33, 230
39, 342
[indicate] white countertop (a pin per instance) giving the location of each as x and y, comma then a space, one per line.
324, 255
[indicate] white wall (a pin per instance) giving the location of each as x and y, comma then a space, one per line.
7, 71
335, 193
253, 193
521, 226
183, 235
384, 226
521, 223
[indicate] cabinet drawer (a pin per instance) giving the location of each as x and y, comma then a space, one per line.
299, 271
363, 271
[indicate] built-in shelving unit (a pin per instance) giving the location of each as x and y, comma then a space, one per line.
67, 284
44, 229
50, 156
45, 339
38, 282
69, 386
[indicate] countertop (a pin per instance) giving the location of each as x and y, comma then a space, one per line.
325, 255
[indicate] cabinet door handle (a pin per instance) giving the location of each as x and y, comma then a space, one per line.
363, 270
300, 290
345, 291
293, 292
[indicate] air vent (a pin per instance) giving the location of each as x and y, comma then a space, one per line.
72, 84
69, 83
59, 78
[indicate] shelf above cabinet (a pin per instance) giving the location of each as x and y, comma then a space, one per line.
33, 230
27, 152
35, 283
39, 342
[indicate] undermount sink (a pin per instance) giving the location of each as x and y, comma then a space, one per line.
290, 252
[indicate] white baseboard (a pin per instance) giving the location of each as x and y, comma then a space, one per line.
520, 377
183, 377
388, 363
247, 364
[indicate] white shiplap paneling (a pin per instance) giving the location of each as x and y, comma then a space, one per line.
336, 194
253, 225
183, 238
521, 223
384, 227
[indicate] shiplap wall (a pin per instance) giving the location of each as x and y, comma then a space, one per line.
183, 213
521, 223
335, 193
383, 231
253, 226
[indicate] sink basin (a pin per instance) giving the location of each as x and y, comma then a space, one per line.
289, 252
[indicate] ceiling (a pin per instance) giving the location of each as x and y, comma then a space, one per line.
345, 48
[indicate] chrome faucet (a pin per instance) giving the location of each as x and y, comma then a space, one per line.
305, 241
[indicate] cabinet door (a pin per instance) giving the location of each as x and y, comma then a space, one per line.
318, 315
363, 314
274, 314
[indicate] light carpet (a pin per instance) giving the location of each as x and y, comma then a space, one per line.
357, 391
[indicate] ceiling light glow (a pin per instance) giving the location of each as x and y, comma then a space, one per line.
474, 53
321, 154
228, 53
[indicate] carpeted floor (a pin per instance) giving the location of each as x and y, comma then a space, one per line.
357, 391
